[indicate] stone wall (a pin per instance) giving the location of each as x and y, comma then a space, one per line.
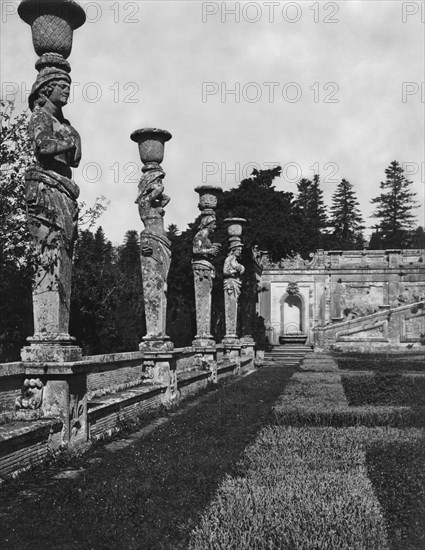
76, 403
336, 286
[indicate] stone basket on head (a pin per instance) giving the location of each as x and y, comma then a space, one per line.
151, 142
52, 24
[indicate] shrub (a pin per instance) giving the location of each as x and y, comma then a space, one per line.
385, 389
302, 488
397, 472
318, 399
380, 362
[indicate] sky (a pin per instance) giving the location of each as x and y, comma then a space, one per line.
335, 88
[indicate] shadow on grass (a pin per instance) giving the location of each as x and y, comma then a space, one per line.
397, 473
150, 495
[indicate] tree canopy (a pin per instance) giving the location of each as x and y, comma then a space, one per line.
394, 208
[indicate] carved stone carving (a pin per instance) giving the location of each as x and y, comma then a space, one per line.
292, 289
31, 394
155, 247
51, 194
203, 270
232, 272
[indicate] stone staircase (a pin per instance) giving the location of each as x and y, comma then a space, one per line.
288, 355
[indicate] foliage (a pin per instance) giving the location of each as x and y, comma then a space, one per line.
313, 216
380, 362
398, 476
107, 313
385, 389
296, 488
394, 208
346, 218
318, 399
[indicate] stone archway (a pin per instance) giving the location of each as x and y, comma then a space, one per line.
292, 318
292, 315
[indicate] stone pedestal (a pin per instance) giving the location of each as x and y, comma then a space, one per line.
203, 274
40, 351
66, 398
158, 365
155, 260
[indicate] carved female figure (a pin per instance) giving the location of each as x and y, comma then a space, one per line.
203, 248
232, 270
52, 205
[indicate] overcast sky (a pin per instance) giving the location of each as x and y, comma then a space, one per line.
333, 87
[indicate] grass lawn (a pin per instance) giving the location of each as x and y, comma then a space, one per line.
152, 494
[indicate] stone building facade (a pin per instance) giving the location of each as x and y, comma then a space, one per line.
338, 297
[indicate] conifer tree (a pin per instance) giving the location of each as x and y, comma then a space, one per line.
394, 208
312, 211
346, 219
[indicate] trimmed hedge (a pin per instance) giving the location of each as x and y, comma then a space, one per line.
380, 362
318, 399
301, 488
396, 469
385, 389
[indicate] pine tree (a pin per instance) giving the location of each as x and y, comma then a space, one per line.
312, 212
346, 218
394, 208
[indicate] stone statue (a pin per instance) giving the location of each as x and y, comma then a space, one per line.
203, 270
52, 207
155, 247
203, 248
233, 270
151, 198
50, 192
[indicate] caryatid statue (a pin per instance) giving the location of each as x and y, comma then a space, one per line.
232, 282
203, 270
155, 247
51, 193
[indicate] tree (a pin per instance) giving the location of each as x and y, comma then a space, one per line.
394, 208
129, 312
346, 218
312, 215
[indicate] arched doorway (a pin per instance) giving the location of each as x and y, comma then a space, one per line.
292, 319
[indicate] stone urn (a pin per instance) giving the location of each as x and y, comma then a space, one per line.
52, 24
151, 142
208, 196
234, 226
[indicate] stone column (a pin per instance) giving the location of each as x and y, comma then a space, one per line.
203, 270
155, 247
232, 272
51, 194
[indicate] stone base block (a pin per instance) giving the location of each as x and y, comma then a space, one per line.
231, 341
156, 344
55, 353
203, 342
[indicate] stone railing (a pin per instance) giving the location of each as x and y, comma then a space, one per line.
390, 330
48, 406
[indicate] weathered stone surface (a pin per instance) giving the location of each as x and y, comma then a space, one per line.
232, 282
338, 287
155, 247
51, 194
203, 270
